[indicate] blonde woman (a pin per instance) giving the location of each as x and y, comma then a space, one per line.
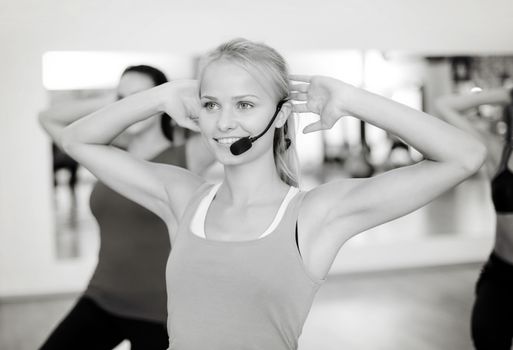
250, 253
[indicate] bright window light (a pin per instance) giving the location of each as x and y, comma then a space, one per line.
345, 65
73, 70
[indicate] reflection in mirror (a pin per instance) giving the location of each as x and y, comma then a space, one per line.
88, 79
350, 149
72, 188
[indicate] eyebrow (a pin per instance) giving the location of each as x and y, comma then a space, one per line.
233, 98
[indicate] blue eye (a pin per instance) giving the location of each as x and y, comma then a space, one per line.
245, 105
210, 105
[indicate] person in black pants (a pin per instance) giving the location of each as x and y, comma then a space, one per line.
492, 315
126, 296
89, 326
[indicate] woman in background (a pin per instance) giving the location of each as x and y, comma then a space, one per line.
492, 315
126, 296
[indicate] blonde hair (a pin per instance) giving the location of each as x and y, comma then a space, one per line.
271, 65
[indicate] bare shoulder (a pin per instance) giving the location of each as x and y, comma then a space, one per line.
180, 185
318, 202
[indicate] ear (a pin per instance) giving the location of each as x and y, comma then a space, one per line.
283, 114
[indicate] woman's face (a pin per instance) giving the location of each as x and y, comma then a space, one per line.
233, 105
131, 83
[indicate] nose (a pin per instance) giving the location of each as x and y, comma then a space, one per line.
226, 120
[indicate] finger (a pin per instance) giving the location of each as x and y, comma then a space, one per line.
299, 77
300, 108
316, 126
298, 87
194, 127
191, 123
299, 96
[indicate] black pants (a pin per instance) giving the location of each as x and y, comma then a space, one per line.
492, 316
89, 327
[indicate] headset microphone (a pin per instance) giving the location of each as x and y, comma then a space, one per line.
242, 145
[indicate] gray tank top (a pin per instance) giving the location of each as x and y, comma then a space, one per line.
129, 279
244, 295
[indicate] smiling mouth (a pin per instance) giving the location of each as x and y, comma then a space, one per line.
227, 140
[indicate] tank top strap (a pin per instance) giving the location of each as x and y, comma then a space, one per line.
289, 220
287, 237
296, 203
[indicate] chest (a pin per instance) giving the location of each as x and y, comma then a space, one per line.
214, 272
240, 223
232, 223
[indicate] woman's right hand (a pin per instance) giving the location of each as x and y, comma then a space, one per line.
180, 99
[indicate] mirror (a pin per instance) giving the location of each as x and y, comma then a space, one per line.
350, 149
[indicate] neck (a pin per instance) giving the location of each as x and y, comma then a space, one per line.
252, 182
149, 142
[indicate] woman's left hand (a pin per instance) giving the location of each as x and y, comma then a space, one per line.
320, 95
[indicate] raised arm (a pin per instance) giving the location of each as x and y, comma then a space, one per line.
451, 108
346, 207
163, 189
55, 118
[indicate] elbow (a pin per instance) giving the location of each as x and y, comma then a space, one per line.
475, 157
67, 140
